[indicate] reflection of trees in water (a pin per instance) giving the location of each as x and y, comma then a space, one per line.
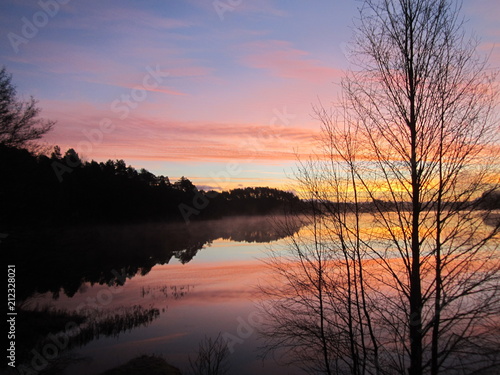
113, 323
211, 357
166, 291
66, 258
144, 364
45, 328
260, 230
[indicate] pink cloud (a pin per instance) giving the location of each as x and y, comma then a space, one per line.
282, 60
143, 138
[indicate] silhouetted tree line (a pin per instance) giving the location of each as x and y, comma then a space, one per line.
252, 201
60, 188
489, 200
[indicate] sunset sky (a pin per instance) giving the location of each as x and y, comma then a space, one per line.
218, 91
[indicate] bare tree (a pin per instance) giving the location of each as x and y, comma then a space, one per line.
406, 163
19, 121
211, 358
318, 308
297, 317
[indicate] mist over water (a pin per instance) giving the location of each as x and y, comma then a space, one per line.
157, 289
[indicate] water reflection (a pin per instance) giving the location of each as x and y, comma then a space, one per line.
46, 335
92, 277
114, 322
64, 259
166, 291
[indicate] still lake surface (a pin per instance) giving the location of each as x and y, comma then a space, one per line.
199, 289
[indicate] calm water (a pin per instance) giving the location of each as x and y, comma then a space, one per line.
157, 289
197, 289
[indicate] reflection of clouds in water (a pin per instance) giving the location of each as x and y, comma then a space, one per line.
145, 249
213, 296
177, 284
97, 254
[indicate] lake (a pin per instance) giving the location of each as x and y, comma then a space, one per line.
161, 289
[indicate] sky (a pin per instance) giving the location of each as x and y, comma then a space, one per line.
221, 92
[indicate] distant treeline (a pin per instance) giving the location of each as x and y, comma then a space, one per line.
489, 200
37, 189
43, 190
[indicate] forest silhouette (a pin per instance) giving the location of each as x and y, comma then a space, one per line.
65, 222
61, 189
